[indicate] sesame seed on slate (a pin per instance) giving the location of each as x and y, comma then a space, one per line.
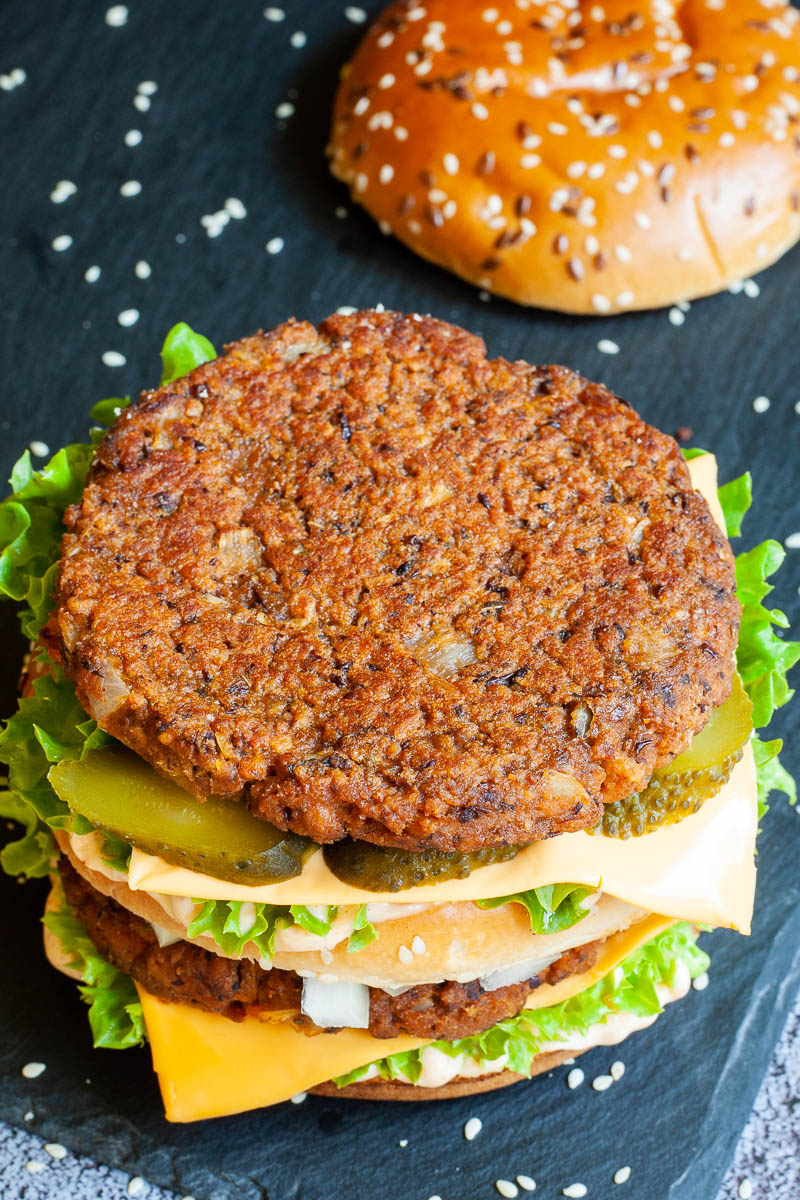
235, 208
526, 1183
340, 212
346, 310
113, 358
299, 1097
28, 1116
701, 982
136, 1185
356, 15
675, 316
274, 245
148, 87
133, 137
751, 289
434, 1198
298, 39
601, 1083
56, 1150
792, 542
606, 346
12, 80
117, 16
62, 242
575, 1078
617, 1070
142, 270
274, 14
284, 110
745, 1189
62, 191
761, 404
34, 1166
472, 1128
575, 1191
506, 1188
403, 1142
622, 1175
131, 187
92, 274
33, 1070
128, 317
39, 449
141, 102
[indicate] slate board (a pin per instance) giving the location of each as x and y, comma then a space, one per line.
211, 134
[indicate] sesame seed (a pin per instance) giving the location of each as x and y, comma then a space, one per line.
62, 242
234, 208
56, 1150
625, 298
622, 1175
601, 1083
745, 1189
356, 15
417, 945
386, 173
601, 303
274, 245
480, 111
405, 955
128, 316
675, 316
506, 1188
274, 14
751, 289
655, 139
403, 1142
617, 151
133, 137
596, 170
526, 1183
489, 15
386, 39
361, 105
575, 1078
605, 346
472, 1128
117, 16
760, 405
576, 169
386, 81
28, 1116
62, 191
284, 110
148, 87
340, 212
401, 133
140, 102
131, 187
529, 161
136, 1186
726, 139
557, 128
591, 244
622, 253
34, 1166
575, 1191
298, 39
113, 358
92, 274
451, 164
385, 228
642, 220
39, 449
503, 28
617, 1070
415, 14
792, 542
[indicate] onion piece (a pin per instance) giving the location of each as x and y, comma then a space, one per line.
506, 976
336, 1005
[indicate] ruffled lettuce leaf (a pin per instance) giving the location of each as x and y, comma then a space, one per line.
115, 1014
630, 988
551, 908
183, 350
363, 932
233, 924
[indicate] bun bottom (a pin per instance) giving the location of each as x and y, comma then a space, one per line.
393, 1089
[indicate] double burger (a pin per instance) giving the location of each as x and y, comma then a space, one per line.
382, 732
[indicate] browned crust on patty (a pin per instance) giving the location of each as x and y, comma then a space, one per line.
272, 554
238, 988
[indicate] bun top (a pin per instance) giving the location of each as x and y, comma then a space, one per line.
585, 157
389, 588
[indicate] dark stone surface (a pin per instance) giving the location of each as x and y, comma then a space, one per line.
210, 134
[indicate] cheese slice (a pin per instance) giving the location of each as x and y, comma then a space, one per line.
209, 1066
701, 869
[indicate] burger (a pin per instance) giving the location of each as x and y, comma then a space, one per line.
388, 725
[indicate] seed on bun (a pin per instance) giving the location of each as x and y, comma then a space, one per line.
598, 161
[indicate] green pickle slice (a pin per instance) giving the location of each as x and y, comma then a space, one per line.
119, 793
386, 869
683, 786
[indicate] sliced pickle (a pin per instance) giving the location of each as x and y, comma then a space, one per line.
119, 793
683, 786
386, 869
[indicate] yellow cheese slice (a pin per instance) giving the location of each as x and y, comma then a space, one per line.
208, 1066
701, 869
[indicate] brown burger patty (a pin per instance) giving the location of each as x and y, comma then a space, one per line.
385, 587
237, 988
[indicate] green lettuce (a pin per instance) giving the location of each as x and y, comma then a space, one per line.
363, 931
551, 908
234, 923
629, 988
115, 1014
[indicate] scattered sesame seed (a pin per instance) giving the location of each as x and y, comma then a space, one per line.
480, 111
361, 105
760, 405
405, 955
142, 270
745, 1189
128, 317
601, 303
575, 1078
625, 298
56, 1150
386, 173
606, 346
386, 81
346, 310
133, 137
489, 15
28, 1116
792, 542
298, 1098
136, 1185
13, 79
92, 274
403, 1142
401, 133
298, 39
131, 187
113, 358
62, 191
356, 15
530, 161
140, 102
274, 14
555, 127
180, 238
39, 449
675, 316
617, 1070
596, 170
575, 1191
117, 16
415, 14
622, 1175
340, 211
472, 1128
451, 164
526, 1183
642, 220
33, 1070
434, 1198
575, 170
284, 110
274, 245
417, 945
506, 1188
62, 242
751, 289
34, 1166
234, 208
148, 87
601, 1083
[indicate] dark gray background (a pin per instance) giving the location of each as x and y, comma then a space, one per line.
210, 134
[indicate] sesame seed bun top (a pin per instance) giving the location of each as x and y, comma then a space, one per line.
588, 158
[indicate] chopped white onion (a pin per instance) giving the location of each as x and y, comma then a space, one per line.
506, 976
163, 936
336, 1005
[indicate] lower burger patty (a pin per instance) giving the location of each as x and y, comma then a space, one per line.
237, 988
